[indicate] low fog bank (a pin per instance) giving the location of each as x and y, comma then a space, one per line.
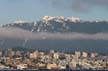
16, 33
68, 42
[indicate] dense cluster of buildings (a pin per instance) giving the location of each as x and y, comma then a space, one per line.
22, 60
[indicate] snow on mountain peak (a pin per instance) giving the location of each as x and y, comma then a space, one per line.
73, 19
60, 18
53, 17
19, 21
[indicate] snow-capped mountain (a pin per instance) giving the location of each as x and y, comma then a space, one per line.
61, 24
47, 24
58, 33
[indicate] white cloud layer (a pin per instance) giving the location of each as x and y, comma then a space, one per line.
14, 33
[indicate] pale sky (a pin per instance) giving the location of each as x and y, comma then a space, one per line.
32, 10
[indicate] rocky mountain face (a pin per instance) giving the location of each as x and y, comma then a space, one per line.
62, 25
58, 33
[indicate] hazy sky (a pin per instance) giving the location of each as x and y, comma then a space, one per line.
32, 10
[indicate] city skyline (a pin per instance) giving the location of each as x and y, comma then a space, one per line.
32, 10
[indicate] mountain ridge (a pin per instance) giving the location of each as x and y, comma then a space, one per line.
62, 25
56, 33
